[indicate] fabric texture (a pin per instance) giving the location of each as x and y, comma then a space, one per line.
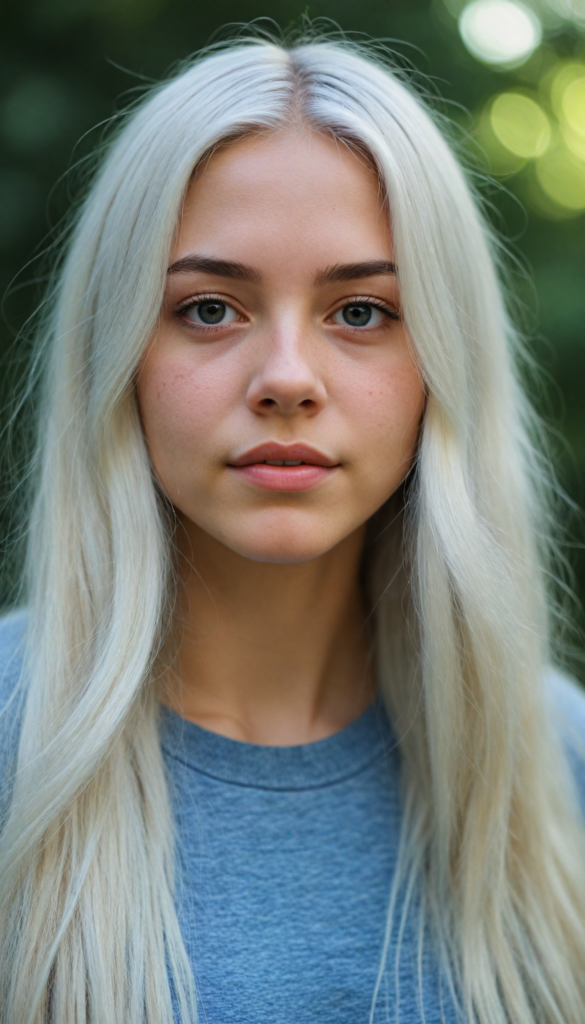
285, 858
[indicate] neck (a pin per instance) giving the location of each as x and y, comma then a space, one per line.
269, 654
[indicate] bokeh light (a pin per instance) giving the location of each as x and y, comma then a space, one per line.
568, 11
561, 176
520, 124
537, 134
573, 105
561, 78
500, 32
502, 162
574, 142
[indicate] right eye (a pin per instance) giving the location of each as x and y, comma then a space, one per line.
210, 313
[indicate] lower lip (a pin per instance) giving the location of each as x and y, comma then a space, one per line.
284, 478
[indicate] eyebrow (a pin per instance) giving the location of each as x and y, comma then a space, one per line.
195, 263
198, 263
352, 271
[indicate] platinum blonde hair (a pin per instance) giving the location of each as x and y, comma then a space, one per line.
493, 838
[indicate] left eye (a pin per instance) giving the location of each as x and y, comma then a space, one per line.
210, 312
359, 314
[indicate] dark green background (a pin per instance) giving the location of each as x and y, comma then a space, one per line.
67, 65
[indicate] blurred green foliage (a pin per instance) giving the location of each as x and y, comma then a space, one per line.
68, 65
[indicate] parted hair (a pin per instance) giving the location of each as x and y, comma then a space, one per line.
492, 849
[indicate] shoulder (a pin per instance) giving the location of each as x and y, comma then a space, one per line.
12, 633
12, 637
566, 702
566, 707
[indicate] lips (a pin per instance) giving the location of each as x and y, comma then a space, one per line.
284, 467
274, 452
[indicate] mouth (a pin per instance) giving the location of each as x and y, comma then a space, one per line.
272, 453
277, 467
275, 462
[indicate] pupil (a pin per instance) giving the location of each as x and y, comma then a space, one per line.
211, 312
357, 315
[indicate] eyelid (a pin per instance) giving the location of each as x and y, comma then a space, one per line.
193, 300
370, 300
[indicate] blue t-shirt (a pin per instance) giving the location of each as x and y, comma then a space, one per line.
285, 859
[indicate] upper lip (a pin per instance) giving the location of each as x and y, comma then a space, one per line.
275, 452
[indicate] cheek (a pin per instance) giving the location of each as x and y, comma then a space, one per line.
387, 404
180, 405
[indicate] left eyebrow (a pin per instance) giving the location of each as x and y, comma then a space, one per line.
353, 271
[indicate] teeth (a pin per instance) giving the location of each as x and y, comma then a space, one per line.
282, 462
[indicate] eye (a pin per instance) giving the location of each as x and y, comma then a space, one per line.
210, 313
359, 314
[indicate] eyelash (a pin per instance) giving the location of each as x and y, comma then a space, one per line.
195, 301
356, 300
359, 300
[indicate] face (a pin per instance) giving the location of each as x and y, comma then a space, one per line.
280, 398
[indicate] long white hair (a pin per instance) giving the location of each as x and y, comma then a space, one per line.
492, 838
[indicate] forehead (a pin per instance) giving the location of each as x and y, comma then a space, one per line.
299, 189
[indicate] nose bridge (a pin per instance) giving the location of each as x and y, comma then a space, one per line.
288, 376
288, 348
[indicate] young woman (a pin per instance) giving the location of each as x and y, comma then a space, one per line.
281, 741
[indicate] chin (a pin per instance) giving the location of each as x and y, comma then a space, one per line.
282, 543
280, 552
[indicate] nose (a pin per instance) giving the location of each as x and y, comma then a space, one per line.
288, 381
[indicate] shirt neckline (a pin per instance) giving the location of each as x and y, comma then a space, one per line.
305, 766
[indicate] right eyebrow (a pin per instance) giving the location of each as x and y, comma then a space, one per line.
197, 263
